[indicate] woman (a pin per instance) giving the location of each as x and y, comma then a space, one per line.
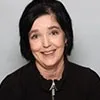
46, 39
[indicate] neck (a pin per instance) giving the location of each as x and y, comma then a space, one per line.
52, 73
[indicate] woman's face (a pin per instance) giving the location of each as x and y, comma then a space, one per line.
47, 41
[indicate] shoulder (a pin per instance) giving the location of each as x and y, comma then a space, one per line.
83, 80
11, 86
76, 73
16, 76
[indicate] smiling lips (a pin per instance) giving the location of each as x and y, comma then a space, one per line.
48, 52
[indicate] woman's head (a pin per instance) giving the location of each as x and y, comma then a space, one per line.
36, 9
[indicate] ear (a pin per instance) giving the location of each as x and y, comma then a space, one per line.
65, 41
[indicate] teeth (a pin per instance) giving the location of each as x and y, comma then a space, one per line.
48, 52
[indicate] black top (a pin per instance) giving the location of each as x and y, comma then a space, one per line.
77, 83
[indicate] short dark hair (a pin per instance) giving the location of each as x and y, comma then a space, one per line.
37, 8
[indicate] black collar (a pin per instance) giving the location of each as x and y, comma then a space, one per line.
46, 84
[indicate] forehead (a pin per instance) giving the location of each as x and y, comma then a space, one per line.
45, 21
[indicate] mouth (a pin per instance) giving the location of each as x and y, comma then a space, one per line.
48, 52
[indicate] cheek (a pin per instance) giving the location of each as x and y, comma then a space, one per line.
59, 42
35, 46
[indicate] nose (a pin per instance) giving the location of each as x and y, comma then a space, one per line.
46, 42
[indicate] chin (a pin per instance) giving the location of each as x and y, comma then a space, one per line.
50, 64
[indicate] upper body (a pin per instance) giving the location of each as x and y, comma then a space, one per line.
46, 39
77, 83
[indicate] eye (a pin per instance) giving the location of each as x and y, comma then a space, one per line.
34, 36
54, 32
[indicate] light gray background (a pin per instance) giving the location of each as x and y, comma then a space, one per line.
85, 16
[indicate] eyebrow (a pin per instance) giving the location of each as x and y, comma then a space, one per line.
51, 27
32, 31
36, 30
